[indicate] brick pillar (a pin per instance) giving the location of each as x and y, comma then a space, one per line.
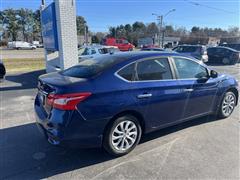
67, 32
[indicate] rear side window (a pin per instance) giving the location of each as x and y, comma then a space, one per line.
188, 69
127, 72
91, 67
93, 51
211, 50
157, 69
186, 49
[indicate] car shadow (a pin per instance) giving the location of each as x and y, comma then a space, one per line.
27, 80
25, 154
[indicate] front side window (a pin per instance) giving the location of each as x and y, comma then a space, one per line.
157, 69
188, 69
119, 41
93, 51
183, 49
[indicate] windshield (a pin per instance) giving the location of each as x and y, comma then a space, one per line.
90, 67
80, 51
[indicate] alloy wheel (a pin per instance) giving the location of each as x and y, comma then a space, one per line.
124, 135
228, 105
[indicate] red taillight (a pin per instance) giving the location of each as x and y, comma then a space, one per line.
66, 101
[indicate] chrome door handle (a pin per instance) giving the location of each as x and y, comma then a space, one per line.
188, 90
141, 96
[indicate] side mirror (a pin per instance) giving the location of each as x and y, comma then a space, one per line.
213, 74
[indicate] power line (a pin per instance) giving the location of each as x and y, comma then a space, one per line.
209, 7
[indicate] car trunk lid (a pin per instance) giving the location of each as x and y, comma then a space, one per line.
55, 83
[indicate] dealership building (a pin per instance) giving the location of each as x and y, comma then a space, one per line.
59, 33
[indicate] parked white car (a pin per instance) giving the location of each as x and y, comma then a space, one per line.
37, 44
21, 45
95, 50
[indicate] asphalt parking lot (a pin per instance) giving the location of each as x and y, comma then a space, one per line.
203, 148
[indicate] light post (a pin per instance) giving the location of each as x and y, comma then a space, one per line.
43, 2
160, 26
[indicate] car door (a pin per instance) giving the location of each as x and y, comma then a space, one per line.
218, 55
197, 86
157, 92
212, 54
120, 44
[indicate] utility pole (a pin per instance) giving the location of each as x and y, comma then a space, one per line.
160, 23
160, 27
160, 31
43, 2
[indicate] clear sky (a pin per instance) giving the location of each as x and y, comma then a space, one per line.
101, 14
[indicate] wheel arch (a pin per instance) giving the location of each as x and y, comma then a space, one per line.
127, 112
235, 91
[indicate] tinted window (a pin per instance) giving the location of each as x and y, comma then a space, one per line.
86, 51
127, 72
189, 69
157, 69
183, 49
220, 51
119, 41
93, 51
91, 67
211, 50
101, 51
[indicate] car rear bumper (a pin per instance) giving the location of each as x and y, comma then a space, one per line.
68, 128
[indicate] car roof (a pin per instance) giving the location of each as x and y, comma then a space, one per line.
99, 46
223, 47
152, 48
134, 55
124, 58
198, 45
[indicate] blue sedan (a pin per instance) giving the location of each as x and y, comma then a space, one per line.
112, 100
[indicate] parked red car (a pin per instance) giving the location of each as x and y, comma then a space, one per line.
122, 44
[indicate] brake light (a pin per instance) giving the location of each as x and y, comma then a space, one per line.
66, 101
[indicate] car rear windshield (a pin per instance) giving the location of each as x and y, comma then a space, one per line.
91, 67
183, 49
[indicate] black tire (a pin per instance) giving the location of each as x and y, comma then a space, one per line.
2, 71
107, 139
221, 113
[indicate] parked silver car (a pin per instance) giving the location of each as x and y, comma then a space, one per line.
95, 50
197, 51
